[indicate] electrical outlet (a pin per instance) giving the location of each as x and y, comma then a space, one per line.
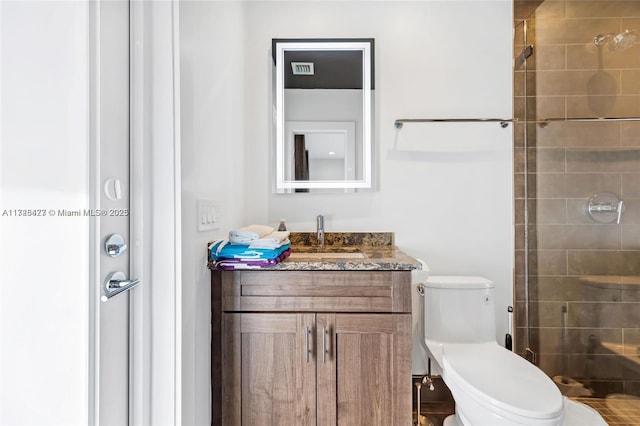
207, 215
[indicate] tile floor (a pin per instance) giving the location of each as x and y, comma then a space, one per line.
617, 412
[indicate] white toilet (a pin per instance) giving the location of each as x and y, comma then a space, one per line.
490, 385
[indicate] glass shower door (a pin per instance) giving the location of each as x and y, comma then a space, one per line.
577, 94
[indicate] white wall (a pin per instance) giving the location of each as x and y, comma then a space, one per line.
44, 261
434, 59
213, 168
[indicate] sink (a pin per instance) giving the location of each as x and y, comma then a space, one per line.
316, 255
308, 252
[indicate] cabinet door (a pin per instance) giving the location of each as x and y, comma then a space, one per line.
269, 376
367, 376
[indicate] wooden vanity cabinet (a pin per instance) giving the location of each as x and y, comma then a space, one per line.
312, 348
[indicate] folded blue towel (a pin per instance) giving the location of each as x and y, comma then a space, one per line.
223, 250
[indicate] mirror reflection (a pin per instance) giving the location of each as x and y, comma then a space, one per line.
324, 106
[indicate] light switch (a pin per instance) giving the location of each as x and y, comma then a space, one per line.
207, 215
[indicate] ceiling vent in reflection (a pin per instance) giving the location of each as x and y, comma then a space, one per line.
302, 68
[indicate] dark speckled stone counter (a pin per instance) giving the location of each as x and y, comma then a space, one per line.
377, 251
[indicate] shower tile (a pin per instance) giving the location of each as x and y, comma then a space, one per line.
518, 26
546, 160
518, 185
631, 340
591, 134
518, 107
575, 185
548, 262
601, 160
519, 287
519, 237
579, 237
570, 288
595, 367
579, 340
519, 320
547, 107
545, 314
631, 132
552, 364
550, 56
632, 388
577, 212
550, 9
591, 57
518, 135
571, 31
519, 211
591, 82
518, 160
631, 185
549, 211
604, 314
631, 289
631, 213
594, 8
630, 372
631, 23
630, 236
557, 134
603, 262
603, 106
519, 83
630, 81
519, 261
602, 388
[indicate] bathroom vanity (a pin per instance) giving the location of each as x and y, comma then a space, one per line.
323, 338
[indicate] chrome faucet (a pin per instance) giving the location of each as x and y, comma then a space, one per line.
320, 230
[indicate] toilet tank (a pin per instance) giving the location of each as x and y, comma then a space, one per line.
459, 309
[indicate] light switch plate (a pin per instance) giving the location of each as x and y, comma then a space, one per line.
207, 215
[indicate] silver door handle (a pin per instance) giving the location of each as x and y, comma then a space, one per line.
324, 344
307, 343
116, 283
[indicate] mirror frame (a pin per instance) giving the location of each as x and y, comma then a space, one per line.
366, 46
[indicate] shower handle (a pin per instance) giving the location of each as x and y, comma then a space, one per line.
605, 208
620, 207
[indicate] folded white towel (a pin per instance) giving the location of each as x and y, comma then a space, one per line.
249, 233
275, 237
266, 243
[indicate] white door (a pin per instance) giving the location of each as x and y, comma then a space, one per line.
112, 215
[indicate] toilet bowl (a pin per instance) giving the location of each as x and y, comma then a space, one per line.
490, 385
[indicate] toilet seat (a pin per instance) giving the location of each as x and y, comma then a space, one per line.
527, 394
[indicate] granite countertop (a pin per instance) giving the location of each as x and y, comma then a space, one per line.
345, 251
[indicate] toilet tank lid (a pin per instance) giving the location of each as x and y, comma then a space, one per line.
458, 281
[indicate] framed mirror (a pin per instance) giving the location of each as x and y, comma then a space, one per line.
323, 91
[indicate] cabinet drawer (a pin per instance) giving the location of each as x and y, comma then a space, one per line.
312, 291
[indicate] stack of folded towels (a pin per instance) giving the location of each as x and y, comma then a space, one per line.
251, 247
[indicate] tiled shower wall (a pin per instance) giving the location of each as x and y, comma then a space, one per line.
591, 269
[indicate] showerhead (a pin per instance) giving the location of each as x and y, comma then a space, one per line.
617, 42
623, 40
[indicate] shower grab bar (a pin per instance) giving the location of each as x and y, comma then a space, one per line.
546, 121
504, 122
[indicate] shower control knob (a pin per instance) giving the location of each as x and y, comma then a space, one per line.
605, 207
